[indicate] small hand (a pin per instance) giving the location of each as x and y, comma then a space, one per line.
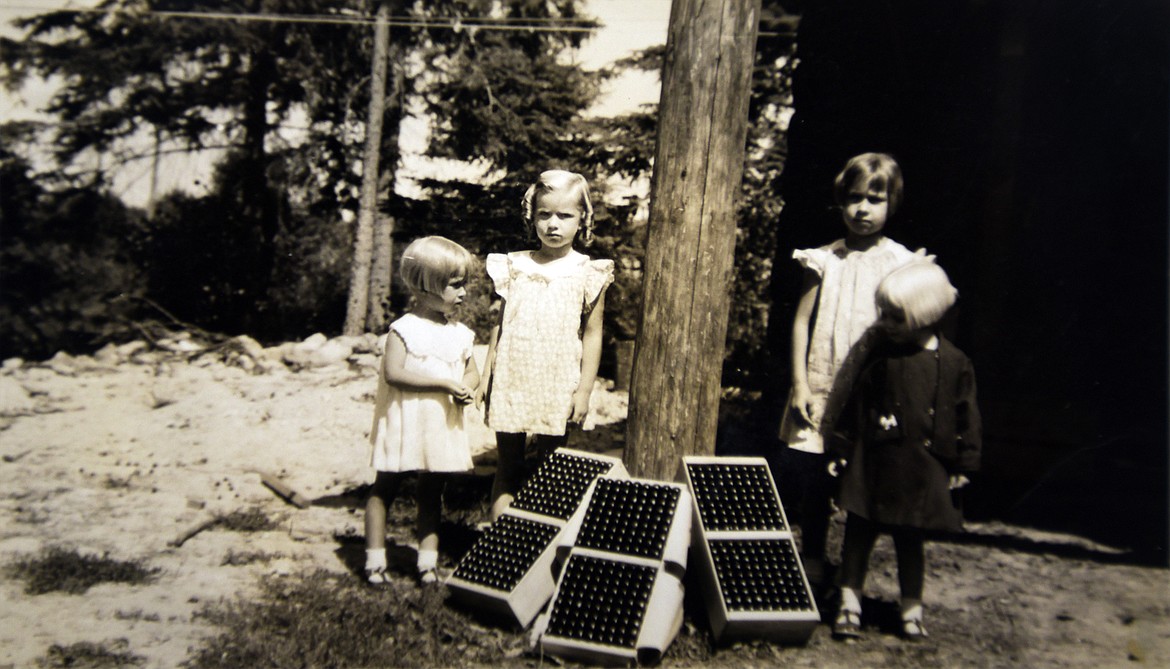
836, 467
580, 407
480, 395
802, 402
921, 253
958, 481
460, 393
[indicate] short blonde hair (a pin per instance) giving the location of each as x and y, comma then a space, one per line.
551, 181
919, 291
429, 263
877, 170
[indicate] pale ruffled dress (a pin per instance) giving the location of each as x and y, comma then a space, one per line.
538, 353
845, 309
423, 431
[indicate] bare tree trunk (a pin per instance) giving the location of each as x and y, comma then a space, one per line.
698, 167
381, 270
152, 202
359, 280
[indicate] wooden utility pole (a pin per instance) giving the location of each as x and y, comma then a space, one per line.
359, 280
698, 167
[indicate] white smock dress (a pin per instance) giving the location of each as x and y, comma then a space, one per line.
423, 431
845, 309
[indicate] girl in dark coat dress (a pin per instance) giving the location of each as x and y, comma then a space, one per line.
908, 436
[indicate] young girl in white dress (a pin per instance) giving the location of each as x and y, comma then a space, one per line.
426, 379
543, 355
839, 284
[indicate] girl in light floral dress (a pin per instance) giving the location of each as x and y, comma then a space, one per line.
543, 355
426, 379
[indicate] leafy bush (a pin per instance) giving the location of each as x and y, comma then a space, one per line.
67, 276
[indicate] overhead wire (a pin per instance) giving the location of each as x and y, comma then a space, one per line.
505, 23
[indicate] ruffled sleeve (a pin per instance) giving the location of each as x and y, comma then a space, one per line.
466, 339
813, 259
598, 276
496, 265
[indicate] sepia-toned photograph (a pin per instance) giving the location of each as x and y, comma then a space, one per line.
527, 333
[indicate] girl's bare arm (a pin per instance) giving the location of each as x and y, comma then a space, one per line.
489, 363
471, 374
396, 374
590, 360
800, 323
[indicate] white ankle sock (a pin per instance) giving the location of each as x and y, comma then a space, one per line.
427, 559
849, 600
911, 610
375, 558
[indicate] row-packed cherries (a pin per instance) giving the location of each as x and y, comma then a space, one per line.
629, 517
601, 601
735, 497
558, 486
759, 575
505, 552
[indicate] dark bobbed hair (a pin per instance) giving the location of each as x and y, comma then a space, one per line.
877, 170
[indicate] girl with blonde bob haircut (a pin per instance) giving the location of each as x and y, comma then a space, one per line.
429, 263
907, 440
918, 294
426, 378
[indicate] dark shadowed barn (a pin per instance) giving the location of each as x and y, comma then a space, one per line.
1033, 138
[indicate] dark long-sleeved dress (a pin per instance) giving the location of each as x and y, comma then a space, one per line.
911, 421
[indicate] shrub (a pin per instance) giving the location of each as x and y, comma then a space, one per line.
66, 570
247, 520
66, 275
88, 655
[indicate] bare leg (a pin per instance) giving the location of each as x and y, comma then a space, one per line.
382, 494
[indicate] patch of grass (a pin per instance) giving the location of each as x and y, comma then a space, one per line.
87, 655
137, 614
247, 520
66, 570
116, 483
242, 558
328, 620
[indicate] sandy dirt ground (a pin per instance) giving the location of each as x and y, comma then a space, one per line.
121, 453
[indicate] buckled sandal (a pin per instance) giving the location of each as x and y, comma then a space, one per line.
847, 626
912, 630
377, 577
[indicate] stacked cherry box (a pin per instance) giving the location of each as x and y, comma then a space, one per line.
509, 570
744, 553
620, 593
